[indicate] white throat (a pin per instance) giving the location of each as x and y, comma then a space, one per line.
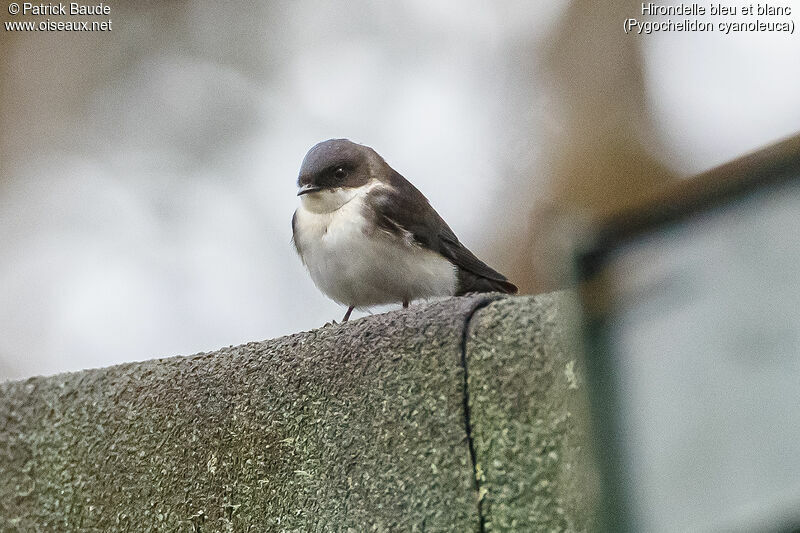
329, 200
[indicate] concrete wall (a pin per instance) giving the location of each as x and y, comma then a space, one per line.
462, 415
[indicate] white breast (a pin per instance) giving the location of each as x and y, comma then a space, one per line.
356, 264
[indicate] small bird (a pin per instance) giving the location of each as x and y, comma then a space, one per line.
369, 237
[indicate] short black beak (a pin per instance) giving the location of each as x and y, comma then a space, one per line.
305, 189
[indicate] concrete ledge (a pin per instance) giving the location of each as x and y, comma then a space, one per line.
365, 426
529, 417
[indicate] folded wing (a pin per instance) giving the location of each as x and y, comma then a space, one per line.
403, 210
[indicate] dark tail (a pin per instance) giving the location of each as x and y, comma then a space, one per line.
469, 282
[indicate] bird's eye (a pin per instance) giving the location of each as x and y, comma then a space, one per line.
339, 172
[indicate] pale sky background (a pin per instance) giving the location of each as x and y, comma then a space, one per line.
147, 175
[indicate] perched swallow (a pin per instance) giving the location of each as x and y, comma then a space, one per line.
369, 237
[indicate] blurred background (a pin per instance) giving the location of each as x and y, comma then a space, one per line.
147, 174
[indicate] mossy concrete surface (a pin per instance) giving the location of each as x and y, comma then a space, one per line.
529, 417
353, 427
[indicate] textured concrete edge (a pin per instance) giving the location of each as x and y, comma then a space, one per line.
435, 325
461, 313
545, 327
467, 406
477, 300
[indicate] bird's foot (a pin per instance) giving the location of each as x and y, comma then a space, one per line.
347, 314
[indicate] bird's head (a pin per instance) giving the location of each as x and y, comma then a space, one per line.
333, 165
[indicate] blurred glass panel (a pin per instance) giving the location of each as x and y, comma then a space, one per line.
705, 334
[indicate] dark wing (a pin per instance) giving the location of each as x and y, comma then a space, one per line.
402, 209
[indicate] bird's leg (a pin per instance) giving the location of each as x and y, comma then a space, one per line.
347, 314
405, 304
